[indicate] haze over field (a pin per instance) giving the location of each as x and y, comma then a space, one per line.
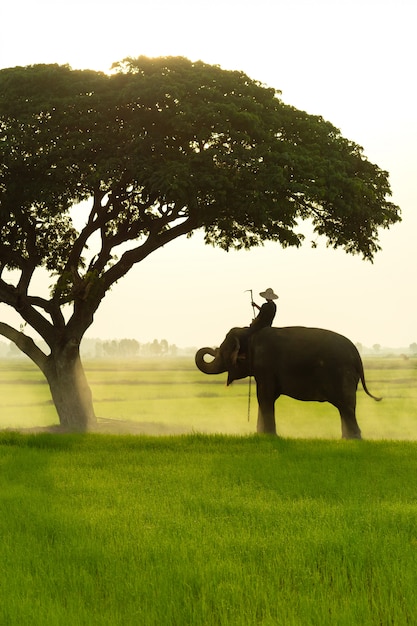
351, 62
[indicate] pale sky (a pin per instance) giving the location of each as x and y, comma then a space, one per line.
353, 62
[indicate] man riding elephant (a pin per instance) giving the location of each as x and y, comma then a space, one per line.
264, 318
266, 313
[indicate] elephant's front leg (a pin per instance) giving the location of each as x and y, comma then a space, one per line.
266, 410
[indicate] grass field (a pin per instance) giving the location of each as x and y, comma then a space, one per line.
163, 396
206, 531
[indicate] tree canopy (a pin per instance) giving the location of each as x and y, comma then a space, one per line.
158, 148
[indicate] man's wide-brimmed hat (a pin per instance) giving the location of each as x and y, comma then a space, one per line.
269, 294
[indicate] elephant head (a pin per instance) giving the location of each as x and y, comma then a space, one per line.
225, 358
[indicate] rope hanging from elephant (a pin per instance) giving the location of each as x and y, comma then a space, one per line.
249, 395
250, 376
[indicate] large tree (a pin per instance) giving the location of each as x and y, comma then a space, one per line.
158, 149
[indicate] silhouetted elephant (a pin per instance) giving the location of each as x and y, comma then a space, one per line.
303, 363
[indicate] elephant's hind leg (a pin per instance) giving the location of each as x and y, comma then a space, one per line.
350, 427
345, 402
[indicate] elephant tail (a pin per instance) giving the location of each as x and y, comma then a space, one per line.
365, 388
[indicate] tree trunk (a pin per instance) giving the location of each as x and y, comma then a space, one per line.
69, 388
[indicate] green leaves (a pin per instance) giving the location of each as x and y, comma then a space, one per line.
166, 140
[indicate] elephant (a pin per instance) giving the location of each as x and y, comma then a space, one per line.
310, 364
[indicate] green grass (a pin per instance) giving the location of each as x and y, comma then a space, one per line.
164, 395
206, 530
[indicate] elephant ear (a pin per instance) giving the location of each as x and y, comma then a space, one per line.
230, 356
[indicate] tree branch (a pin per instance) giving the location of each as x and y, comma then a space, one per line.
153, 242
23, 305
25, 344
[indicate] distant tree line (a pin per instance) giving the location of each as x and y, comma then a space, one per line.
128, 348
377, 349
112, 348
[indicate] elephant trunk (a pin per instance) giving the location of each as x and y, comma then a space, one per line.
216, 366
